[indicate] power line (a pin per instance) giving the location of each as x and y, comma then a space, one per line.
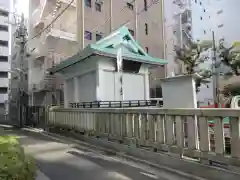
63, 12
44, 29
142, 10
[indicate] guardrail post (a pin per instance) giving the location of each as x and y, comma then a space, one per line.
235, 134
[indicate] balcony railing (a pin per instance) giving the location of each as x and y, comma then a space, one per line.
47, 83
54, 59
60, 30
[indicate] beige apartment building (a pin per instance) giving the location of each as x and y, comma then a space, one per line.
82, 23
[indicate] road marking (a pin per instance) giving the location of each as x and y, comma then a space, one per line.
38, 130
149, 175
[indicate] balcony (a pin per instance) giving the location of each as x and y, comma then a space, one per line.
4, 35
3, 98
36, 20
60, 33
46, 84
4, 51
4, 66
4, 82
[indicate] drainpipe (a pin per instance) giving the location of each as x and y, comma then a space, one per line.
80, 23
163, 35
111, 15
136, 20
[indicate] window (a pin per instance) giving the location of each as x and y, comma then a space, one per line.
129, 5
200, 3
98, 37
4, 43
131, 66
201, 17
98, 7
145, 5
204, 10
132, 32
147, 49
3, 59
195, 1
3, 28
3, 13
88, 35
3, 90
3, 74
220, 12
204, 31
146, 28
88, 3
220, 26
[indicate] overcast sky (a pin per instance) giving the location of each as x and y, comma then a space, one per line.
22, 7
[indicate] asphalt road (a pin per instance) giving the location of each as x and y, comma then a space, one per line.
60, 161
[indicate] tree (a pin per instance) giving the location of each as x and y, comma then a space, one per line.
195, 55
231, 90
230, 56
192, 57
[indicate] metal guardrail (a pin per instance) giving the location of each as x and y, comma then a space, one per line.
114, 104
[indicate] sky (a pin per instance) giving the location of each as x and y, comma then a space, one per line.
22, 7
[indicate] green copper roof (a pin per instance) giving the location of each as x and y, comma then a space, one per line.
108, 46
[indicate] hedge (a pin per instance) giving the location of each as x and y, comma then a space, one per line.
14, 163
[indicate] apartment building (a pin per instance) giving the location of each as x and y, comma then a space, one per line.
4, 54
53, 44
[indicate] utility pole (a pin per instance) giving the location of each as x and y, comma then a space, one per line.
215, 72
21, 34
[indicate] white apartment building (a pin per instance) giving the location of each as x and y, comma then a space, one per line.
4, 53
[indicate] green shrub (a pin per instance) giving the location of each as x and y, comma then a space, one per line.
14, 164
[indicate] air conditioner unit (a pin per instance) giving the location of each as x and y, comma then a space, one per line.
100, 1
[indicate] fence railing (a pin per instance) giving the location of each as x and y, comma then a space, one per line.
184, 132
115, 104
